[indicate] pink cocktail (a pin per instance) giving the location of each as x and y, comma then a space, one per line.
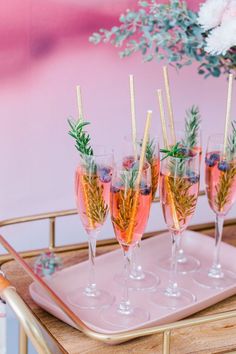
92, 191
220, 179
121, 202
89, 189
179, 196
130, 205
179, 187
141, 279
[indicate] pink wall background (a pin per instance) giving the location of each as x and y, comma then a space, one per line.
44, 53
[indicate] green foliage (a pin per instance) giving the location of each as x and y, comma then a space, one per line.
192, 126
165, 31
224, 187
150, 150
97, 208
129, 177
184, 201
177, 156
82, 138
174, 151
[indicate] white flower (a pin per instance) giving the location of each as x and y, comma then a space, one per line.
211, 13
230, 11
219, 16
222, 38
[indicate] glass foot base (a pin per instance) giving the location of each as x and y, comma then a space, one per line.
162, 298
149, 281
79, 298
114, 317
185, 264
205, 280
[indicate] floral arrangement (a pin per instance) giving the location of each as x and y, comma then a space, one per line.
181, 36
47, 264
219, 18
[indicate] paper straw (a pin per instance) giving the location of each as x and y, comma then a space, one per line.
228, 110
130, 230
169, 104
144, 145
79, 102
133, 115
165, 137
162, 115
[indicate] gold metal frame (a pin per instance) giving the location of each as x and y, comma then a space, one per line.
52, 216
29, 323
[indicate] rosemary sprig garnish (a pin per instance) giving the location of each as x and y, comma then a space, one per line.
97, 208
174, 151
155, 177
125, 207
177, 164
128, 178
150, 157
192, 126
82, 138
184, 202
224, 186
150, 150
227, 176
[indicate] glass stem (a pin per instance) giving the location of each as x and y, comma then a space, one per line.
179, 250
91, 289
136, 268
172, 289
215, 270
124, 306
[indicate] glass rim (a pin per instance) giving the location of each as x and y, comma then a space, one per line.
216, 140
118, 165
217, 135
110, 151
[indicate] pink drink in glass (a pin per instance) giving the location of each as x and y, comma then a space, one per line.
155, 173
129, 161
84, 203
120, 198
170, 200
220, 180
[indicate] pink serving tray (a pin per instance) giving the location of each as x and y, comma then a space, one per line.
107, 265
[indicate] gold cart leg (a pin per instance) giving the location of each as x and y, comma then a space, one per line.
23, 341
51, 233
166, 342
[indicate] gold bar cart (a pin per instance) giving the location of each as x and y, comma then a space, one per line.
211, 331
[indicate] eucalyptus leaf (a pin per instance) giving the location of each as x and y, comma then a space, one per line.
171, 29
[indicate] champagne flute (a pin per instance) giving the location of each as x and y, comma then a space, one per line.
130, 205
140, 279
92, 190
191, 144
179, 187
220, 179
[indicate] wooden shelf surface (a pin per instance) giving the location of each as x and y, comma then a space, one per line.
218, 337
